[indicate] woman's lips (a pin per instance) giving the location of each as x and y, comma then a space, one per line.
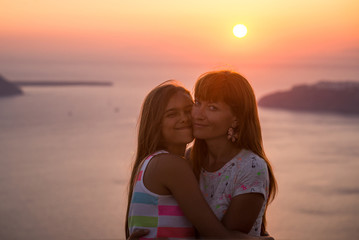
199, 125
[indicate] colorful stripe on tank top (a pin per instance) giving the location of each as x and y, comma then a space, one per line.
164, 210
139, 176
144, 198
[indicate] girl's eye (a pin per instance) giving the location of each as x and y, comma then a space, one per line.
196, 103
170, 115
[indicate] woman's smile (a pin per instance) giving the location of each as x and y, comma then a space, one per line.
199, 125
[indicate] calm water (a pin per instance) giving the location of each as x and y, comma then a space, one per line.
65, 156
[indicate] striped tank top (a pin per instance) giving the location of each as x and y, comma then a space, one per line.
158, 213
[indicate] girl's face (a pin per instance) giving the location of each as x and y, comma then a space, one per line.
211, 120
176, 122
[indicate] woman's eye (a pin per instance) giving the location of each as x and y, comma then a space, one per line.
196, 103
212, 108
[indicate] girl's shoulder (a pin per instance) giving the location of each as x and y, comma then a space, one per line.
151, 157
169, 160
166, 156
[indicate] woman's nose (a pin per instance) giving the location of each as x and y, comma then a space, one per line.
197, 112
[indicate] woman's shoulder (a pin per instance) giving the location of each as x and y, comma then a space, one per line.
248, 158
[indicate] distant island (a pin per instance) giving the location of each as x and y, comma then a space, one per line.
8, 89
12, 88
61, 83
324, 96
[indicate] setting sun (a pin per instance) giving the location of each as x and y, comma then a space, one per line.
240, 30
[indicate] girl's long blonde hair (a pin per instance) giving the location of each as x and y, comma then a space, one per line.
233, 89
149, 128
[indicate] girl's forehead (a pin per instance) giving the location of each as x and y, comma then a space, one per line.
179, 98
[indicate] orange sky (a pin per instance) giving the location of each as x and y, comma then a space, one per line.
179, 31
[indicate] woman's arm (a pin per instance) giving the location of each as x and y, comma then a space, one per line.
243, 212
248, 191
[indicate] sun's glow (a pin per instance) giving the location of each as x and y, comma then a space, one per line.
240, 30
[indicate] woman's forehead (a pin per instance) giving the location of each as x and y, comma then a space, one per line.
210, 97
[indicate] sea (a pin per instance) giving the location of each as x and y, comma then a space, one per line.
66, 152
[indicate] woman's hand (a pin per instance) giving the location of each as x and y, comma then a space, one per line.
137, 233
266, 238
243, 236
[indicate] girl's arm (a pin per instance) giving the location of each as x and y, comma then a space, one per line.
175, 174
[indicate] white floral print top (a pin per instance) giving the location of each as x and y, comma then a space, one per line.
245, 173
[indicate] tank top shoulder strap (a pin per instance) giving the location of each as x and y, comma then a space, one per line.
147, 160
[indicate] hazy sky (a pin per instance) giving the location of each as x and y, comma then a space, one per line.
285, 32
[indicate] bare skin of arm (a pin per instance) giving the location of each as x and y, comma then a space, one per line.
138, 233
169, 174
243, 212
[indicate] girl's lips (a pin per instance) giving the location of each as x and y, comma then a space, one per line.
185, 127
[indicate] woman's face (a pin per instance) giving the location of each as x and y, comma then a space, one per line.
211, 120
176, 122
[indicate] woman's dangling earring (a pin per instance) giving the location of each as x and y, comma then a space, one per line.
232, 135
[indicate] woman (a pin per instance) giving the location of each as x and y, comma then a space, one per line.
235, 175
164, 196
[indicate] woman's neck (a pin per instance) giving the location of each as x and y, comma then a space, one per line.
220, 151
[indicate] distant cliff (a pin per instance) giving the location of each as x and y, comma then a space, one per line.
8, 89
325, 96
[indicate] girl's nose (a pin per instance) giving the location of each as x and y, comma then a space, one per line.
186, 117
